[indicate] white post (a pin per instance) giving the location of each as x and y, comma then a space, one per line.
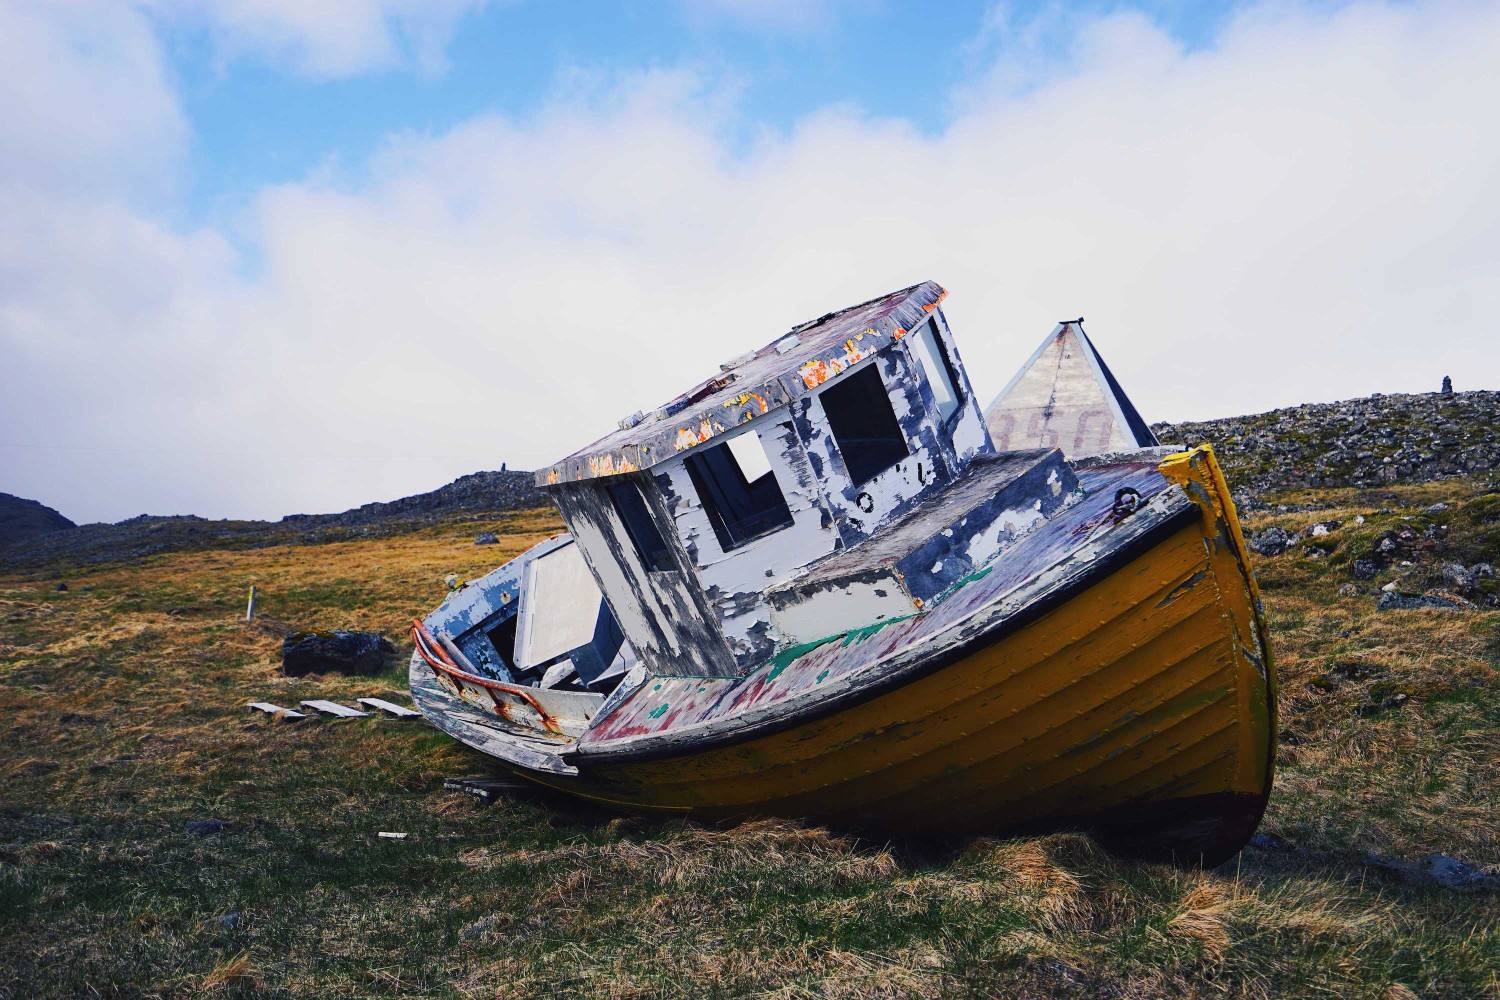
250, 609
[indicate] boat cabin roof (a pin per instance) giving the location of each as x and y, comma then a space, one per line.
752, 385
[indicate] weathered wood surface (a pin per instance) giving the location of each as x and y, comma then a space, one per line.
489, 788
334, 708
390, 708
270, 709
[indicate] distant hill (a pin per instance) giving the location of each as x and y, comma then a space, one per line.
21, 519
146, 535
1372, 441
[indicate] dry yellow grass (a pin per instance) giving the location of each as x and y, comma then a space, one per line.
122, 702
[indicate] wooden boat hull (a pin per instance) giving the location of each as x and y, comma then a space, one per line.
1138, 702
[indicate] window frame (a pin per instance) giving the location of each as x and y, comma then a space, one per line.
846, 385
656, 560
960, 397
697, 465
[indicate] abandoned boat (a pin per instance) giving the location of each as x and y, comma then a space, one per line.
813, 586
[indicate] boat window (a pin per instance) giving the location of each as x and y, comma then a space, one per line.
738, 489
932, 354
640, 525
863, 424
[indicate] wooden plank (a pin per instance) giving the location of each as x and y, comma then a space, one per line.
270, 709
334, 708
486, 789
388, 707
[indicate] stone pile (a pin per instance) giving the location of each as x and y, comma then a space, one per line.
1373, 441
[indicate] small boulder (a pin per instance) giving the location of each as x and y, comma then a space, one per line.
1366, 569
338, 651
1458, 875
486, 538
1482, 571
1271, 541
62, 588
1348, 590
1455, 575
204, 827
1393, 600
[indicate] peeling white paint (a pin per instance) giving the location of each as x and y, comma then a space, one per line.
838, 609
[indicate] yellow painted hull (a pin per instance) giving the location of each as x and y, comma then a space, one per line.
1142, 705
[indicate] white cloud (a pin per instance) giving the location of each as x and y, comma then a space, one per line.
328, 38
88, 108
1303, 211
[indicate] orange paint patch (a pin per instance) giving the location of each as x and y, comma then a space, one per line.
815, 373
687, 437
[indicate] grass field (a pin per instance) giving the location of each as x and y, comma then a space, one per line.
121, 709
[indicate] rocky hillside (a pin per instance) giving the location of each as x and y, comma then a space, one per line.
476, 494
1377, 440
21, 518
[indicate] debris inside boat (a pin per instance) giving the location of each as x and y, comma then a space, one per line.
826, 583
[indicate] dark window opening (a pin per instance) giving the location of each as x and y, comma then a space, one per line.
739, 490
641, 526
503, 638
863, 424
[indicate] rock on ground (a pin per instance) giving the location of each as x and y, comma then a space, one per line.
1271, 541
338, 651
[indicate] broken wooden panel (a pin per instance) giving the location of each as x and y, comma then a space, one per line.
389, 708
270, 709
334, 709
1065, 397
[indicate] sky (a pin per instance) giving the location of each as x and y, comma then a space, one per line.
263, 257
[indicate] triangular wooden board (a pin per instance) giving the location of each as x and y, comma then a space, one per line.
334, 708
389, 708
1065, 397
270, 709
